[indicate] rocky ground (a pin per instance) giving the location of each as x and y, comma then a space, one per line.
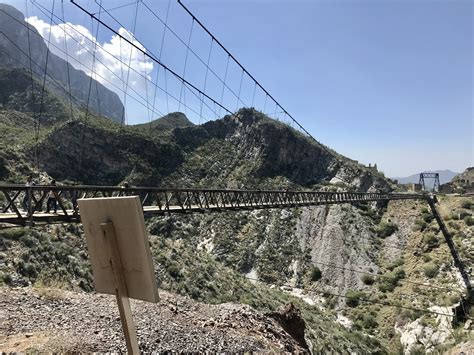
39, 319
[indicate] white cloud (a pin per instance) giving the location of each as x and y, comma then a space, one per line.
112, 58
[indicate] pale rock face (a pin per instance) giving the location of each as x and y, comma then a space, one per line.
338, 242
344, 321
414, 333
206, 245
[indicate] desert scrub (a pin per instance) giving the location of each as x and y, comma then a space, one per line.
430, 270
419, 225
354, 298
430, 240
13, 233
389, 281
386, 229
469, 220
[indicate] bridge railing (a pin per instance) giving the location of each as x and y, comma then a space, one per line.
29, 202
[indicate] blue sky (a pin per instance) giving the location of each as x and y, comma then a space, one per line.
386, 82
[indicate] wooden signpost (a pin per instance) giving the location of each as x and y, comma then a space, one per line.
120, 255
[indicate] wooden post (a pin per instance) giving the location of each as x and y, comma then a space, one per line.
120, 288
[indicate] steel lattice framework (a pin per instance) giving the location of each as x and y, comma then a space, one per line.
434, 176
156, 201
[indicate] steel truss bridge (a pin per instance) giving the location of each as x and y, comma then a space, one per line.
159, 201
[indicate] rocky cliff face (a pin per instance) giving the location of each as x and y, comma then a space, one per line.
17, 43
251, 151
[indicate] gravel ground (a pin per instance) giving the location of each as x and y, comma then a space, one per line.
56, 320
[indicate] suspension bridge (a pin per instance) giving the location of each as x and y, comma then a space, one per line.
224, 86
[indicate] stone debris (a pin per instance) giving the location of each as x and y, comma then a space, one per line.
32, 319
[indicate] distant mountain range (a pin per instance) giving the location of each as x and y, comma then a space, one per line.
444, 177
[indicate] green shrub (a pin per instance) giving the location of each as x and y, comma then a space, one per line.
13, 233
396, 263
386, 229
315, 273
28, 269
367, 279
469, 220
467, 204
427, 217
462, 214
353, 297
7, 278
389, 281
420, 225
430, 270
28, 241
430, 240
174, 270
367, 321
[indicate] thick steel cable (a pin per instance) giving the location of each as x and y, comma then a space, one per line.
98, 60
45, 11
241, 66
153, 57
201, 60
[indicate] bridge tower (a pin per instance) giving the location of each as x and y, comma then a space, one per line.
434, 176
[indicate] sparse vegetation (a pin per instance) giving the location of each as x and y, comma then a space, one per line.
430, 270
469, 220
389, 281
386, 229
354, 298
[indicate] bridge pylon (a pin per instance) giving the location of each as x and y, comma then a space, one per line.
434, 176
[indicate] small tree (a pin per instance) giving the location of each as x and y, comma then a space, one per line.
315, 273
367, 279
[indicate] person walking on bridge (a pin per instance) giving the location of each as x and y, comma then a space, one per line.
52, 203
26, 203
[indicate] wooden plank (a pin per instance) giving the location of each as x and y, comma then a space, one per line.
121, 292
126, 213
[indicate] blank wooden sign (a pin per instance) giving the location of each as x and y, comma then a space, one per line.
126, 214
